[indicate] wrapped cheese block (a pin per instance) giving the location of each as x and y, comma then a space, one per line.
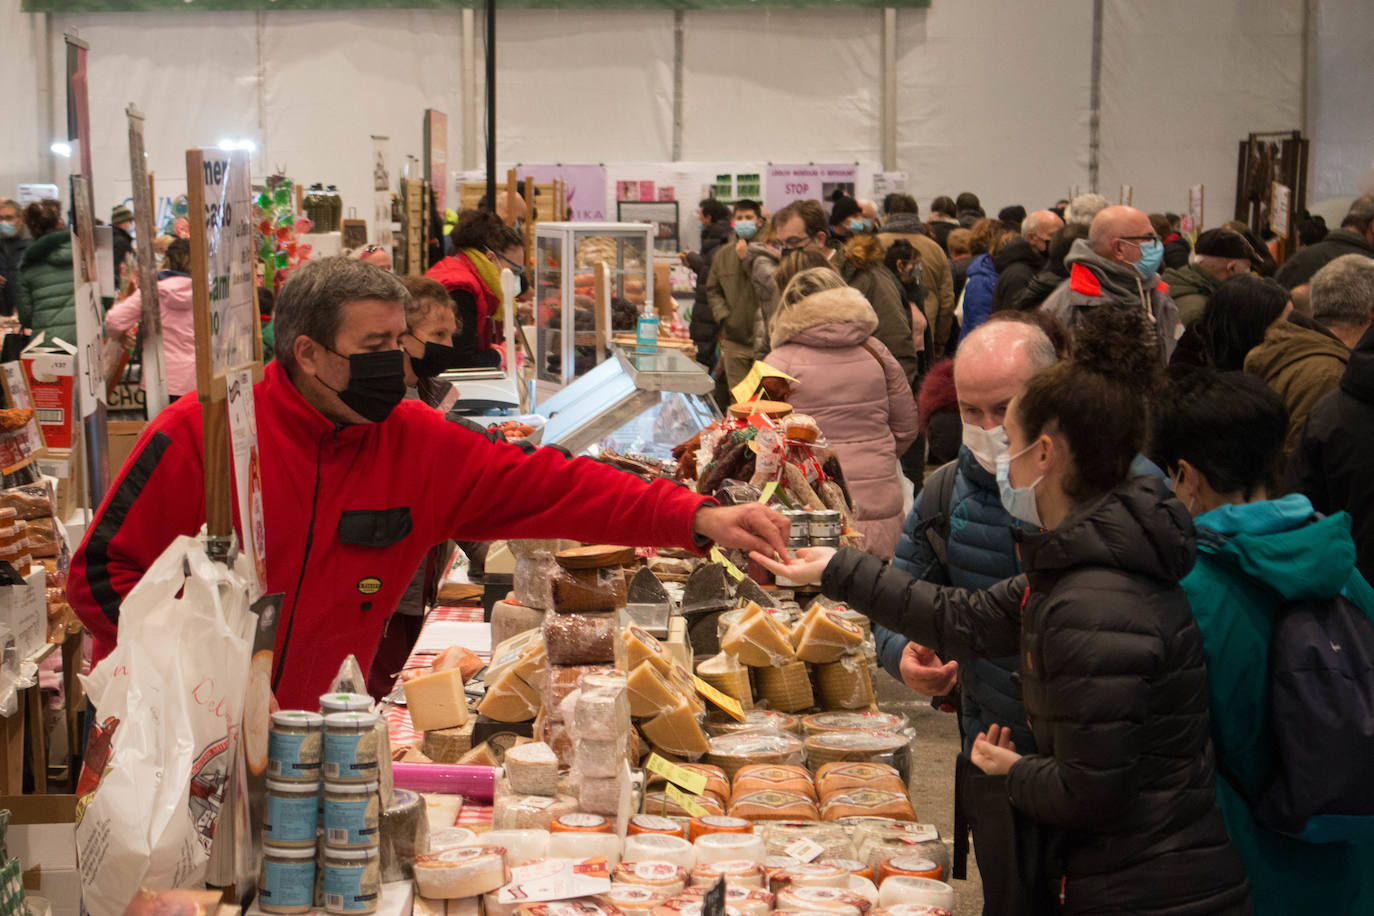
532, 582
658, 874
585, 846
762, 777
509, 699
580, 639
781, 836
879, 839
787, 687
633, 899
681, 678
603, 707
600, 758
609, 796
642, 646
733, 751
699, 827
437, 700
561, 680
809, 874
521, 846
910, 866
558, 736
853, 866
758, 639
822, 900
825, 636
772, 865
900, 889
532, 769
724, 724
510, 618
658, 847
726, 674
653, 823
736, 872
728, 847
845, 684
463, 872
649, 692
530, 812
773, 805
851, 722
717, 783
867, 803
864, 888
844, 774
580, 590
829, 747
451, 837
660, 803
678, 732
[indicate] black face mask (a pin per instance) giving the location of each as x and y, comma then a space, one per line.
376, 383
437, 358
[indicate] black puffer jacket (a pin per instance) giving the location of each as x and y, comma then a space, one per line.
705, 330
1017, 264
1115, 690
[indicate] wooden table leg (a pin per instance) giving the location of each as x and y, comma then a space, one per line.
12, 752
72, 656
38, 744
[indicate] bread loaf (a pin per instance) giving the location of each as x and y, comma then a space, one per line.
580, 639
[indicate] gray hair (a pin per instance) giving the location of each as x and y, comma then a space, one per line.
312, 299
1033, 221
1360, 214
1003, 335
1084, 207
1343, 291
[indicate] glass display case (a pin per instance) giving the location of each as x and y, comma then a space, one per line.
566, 256
632, 403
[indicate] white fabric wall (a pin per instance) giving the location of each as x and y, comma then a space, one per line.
992, 94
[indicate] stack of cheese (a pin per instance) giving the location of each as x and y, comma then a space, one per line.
712, 799
858, 737
760, 640
600, 719
527, 793
438, 705
662, 697
773, 792
862, 790
834, 644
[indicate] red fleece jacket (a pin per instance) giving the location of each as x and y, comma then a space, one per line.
349, 513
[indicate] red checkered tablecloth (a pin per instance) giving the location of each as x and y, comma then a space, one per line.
403, 733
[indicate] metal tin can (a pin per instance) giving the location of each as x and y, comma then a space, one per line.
826, 524
800, 520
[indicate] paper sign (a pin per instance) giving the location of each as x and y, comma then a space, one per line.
556, 879
724, 701
1195, 206
757, 373
786, 183
769, 489
1280, 209
717, 557
243, 437
691, 781
684, 801
804, 849
229, 244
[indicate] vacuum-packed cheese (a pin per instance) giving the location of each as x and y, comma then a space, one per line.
833, 900
867, 803
658, 847
580, 639
723, 672
602, 711
600, 757
681, 678
655, 873
825, 636
509, 699
779, 777
736, 872
787, 687
577, 906
754, 719
585, 846
463, 872
532, 769
561, 680
733, 751
659, 802
642, 646
773, 805
900, 889
677, 732
748, 901
729, 847
809, 874
851, 721
522, 846
634, 899
781, 836
609, 796
717, 783
845, 684
758, 639
912, 865
649, 691
437, 700
875, 746
832, 778
529, 812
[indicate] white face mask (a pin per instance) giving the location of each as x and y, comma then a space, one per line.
986, 445
1018, 501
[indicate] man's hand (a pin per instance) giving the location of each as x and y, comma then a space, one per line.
741, 248
993, 751
749, 527
806, 567
922, 671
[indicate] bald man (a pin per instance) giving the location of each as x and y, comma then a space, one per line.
1021, 259
1117, 266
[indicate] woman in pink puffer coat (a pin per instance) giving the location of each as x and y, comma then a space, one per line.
822, 334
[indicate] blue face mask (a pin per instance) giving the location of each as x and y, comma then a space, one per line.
857, 225
1151, 256
8, 230
745, 228
1018, 501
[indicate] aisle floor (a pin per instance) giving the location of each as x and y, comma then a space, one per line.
937, 745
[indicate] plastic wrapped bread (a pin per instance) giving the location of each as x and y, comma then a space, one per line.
580, 639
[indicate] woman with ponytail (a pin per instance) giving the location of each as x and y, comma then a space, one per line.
1121, 794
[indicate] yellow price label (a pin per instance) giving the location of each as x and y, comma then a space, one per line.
723, 700
692, 782
769, 489
717, 557
685, 801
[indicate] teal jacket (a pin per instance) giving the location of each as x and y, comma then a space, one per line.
1248, 556
47, 289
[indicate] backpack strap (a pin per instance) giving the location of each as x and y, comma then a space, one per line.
937, 496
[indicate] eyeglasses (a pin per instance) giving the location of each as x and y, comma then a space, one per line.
372, 249
1138, 239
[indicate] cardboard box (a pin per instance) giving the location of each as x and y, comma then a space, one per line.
122, 437
24, 610
42, 836
50, 367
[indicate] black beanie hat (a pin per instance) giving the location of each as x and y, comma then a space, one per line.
844, 208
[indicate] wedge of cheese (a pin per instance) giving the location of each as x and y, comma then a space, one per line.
825, 636
649, 691
509, 699
758, 639
642, 646
437, 700
787, 687
681, 678
532, 769
677, 732
728, 676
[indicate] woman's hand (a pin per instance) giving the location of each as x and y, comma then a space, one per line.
804, 568
994, 752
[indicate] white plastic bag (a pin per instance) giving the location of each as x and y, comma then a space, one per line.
173, 690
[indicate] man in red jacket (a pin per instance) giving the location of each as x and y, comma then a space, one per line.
357, 485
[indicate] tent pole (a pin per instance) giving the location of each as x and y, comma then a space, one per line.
470, 102
491, 100
1095, 102
679, 29
889, 90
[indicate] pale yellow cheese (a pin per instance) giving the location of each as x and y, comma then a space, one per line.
437, 700
650, 693
845, 684
681, 678
481, 755
677, 732
642, 646
826, 637
786, 688
757, 639
728, 676
509, 699
532, 664
463, 872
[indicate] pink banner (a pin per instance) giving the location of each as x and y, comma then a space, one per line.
585, 185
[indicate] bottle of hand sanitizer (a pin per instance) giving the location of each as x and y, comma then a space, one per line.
646, 331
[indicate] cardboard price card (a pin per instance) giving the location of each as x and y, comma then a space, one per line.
690, 780
724, 701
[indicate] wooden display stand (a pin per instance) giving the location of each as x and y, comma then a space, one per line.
31, 714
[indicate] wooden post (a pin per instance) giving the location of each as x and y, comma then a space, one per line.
510, 197
38, 745
75, 700
602, 295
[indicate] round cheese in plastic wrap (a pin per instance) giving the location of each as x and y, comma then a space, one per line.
845, 774
774, 864
529, 812
585, 846
736, 872
688, 906
634, 899
717, 783
851, 721
832, 900
522, 846
773, 804
653, 823
714, 823
867, 803
750, 901
451, 838
754, 719
871, 747
660, 803
910, 866
912, 909
761, 778
663, 876
808, 874
577, 906
786, 687
731, 752
900, 889
879, 839
864, 888
781, 836
723, 847
853, 866
845, 684
657, 847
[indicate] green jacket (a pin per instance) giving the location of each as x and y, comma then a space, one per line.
1300, 365
1249, 557
47, 290
730, 293
880, 288
1190, 287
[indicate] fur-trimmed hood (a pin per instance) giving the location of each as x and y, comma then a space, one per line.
864, 252
844, 312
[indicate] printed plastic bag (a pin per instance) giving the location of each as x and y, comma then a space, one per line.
169, 705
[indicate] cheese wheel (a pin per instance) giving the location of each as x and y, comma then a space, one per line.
561, 680
532, 769
642, 646
825, 636
725, 847
437, 700
829, 747
521, 846
727, 675
917, 909
668, 877
633, 899
580, 822
716, 823
855, 721
650, 692
659, 847
786, 687
683, 905
846, 683
867, 803
781, 836
909, 866
736, 872
758, 639
773, 804
717, 783
749, 901
864, 888
585, 846
530, 812
462, 872
653, 823
877, 839
580, 639
809, 874
733, 751
774, 777
900, 889
853, 866
724, 724
659, 803
450, 838
677, 732
844, 774
822, 900
509, 699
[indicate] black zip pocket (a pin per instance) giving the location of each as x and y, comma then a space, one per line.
375, 527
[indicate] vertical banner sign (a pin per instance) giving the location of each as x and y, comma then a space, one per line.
220, 190
436, 155
786, 183
381, 188
243, 438
150, 312
1196, 206
1280, 209
90, 328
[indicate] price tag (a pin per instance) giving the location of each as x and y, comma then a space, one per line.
749, 385
717, 557
687, 802
804, 849
724, 701
769, 489
689, 780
